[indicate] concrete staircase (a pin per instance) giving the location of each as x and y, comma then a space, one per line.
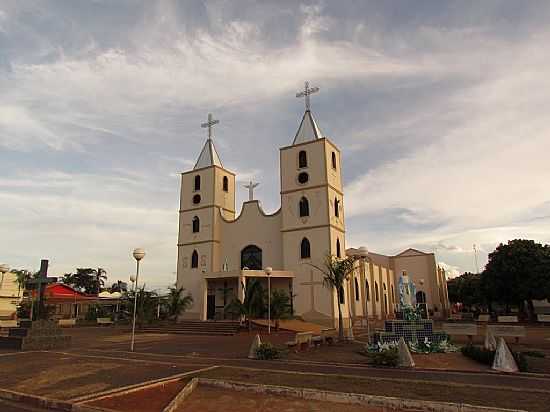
194, 327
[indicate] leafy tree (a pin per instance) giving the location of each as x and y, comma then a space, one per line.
147, 304
177, 303
279, 306
467, 289
518, 271
119, 286
253, 304
335, 273
89, 280
22, 276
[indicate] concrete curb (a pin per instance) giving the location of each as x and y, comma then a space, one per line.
350, 398
182, 396
45, 403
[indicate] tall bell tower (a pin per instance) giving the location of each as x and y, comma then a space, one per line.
312, 203
207, 192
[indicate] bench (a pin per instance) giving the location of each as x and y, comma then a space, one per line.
507, 331
484, 317
461, 329
302, 340
66, 322
507, 319
104, 321
543, 318
8, 323
329, 335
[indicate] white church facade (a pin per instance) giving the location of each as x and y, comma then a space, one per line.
218, 250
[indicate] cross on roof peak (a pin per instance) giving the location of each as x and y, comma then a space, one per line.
211, 122
306, 93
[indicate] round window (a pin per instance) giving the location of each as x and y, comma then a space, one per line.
196, 199
303, 177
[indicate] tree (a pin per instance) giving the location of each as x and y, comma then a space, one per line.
89, 280
147, 303
253, 303
467, 289
177, 303
279, 306
22, 276
518, 271
335, 273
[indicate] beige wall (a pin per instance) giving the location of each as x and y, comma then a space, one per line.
10, 295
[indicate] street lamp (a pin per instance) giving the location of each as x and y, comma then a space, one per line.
3, 270
138, 255
268, 270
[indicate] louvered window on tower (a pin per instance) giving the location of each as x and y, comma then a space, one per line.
304, 207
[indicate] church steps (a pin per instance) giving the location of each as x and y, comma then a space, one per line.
194, 328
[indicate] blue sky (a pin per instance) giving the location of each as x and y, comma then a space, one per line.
441, 110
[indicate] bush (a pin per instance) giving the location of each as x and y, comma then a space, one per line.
266, 351
387, 357
487, 357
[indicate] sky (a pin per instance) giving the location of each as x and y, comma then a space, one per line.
441, 110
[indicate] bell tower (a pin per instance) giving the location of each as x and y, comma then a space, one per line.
207, 192
312, 204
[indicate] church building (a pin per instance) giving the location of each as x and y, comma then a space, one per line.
218, 250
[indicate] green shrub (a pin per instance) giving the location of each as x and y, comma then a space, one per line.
266, 351
487, 357
479, 354
387, 357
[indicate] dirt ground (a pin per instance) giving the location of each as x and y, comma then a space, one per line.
152, 399
436, 391
207, 399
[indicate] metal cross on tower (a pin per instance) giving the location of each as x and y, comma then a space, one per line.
307, 91
251, 186
211, 122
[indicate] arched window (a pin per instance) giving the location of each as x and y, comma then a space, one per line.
305, 249
195, 260
336, 207
367, 289
384, 285
197, 182
225, 184
302, 159
356, 289
338, 251
304, 207
377, 295
342, 297
196, 224
251, 258
333, 160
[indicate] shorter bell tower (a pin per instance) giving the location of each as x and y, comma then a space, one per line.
207, 192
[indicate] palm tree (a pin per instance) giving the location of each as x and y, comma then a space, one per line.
253, 303
177, 303
280, 306
22, 276
335, 272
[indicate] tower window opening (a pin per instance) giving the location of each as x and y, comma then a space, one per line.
302, 159
225, 184
338, 249
195, 259
196, 224
356, 289
333, 160
305, 249
304, 207
197, 183
336, 207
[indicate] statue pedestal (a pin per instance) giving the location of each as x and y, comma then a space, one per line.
37, 335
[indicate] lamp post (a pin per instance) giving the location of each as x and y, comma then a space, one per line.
3, 270
268, 270
138, 255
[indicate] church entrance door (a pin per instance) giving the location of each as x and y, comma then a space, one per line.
210, 307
